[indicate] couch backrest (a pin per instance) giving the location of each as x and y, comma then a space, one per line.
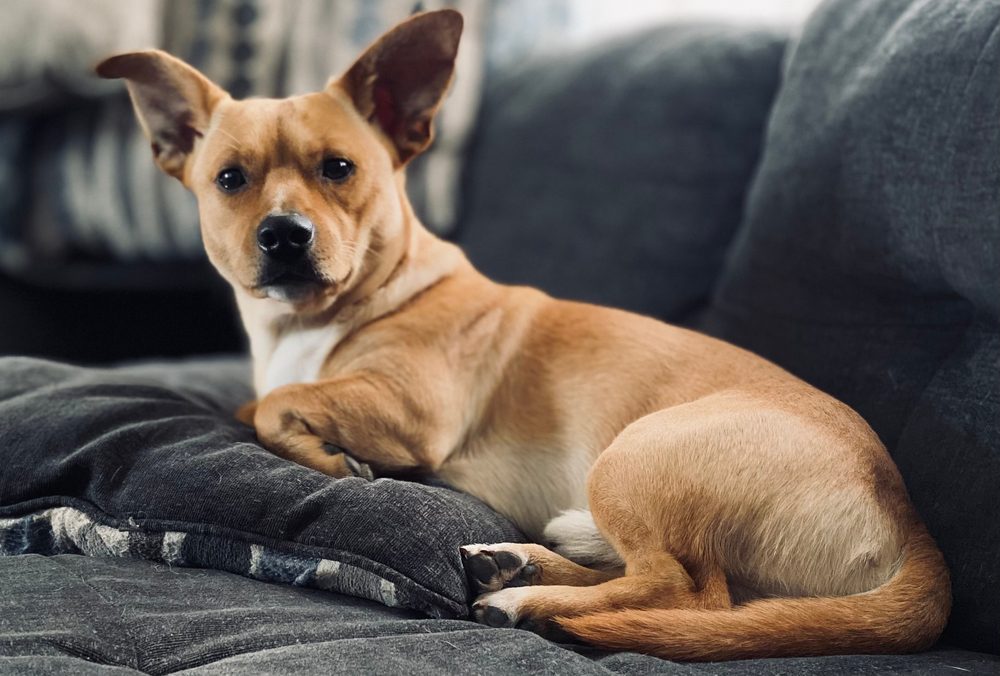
869, 261
617, 174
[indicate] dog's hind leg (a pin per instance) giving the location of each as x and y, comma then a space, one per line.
578, 556
656, 581
574, 534
510, 564
642, 505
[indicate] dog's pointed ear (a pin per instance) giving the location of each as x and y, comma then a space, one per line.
173, 101
399, 82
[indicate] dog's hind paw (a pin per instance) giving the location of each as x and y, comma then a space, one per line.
501, 608
512, 608
495, 567
491, 616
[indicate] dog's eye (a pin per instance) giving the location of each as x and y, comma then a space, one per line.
337, 168
231, 179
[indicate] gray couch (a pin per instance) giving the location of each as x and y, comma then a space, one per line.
830, 202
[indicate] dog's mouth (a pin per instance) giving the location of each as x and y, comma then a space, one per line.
290, 283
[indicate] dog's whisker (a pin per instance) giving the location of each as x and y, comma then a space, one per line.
226, 133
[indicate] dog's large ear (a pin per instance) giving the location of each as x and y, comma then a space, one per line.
399, 82
173, 101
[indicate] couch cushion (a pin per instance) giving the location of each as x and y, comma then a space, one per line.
617, 174
870, 259
148, 462
96, 616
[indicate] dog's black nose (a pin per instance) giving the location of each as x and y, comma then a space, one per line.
285, 238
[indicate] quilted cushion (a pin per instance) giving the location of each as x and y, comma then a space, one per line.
148, 462
870, 260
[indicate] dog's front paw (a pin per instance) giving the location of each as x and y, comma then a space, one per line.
245, 413
495, 567
354, 467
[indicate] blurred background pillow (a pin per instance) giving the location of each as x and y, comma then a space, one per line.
87, 188
100, 253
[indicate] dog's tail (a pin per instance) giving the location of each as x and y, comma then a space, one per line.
906, 614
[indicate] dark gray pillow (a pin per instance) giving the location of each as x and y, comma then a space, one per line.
870, 260
617, 174
148, 462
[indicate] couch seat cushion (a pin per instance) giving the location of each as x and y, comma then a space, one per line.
119, 616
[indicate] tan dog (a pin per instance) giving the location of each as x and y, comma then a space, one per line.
728, 509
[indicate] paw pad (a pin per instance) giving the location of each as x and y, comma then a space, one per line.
492, 568
492, 616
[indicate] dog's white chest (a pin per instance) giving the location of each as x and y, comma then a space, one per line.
297, 356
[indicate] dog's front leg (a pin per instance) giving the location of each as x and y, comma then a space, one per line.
316, 424
246, 412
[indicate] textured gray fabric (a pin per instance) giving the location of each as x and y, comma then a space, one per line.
870, 259
59, 611
148, 462
617, 174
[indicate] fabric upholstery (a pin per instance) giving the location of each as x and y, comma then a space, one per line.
869, 263
617, 174
116, 616
148, 462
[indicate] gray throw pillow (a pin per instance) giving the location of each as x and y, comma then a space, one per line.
616, 174
148, 462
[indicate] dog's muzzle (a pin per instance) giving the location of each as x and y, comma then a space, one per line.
287, 271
